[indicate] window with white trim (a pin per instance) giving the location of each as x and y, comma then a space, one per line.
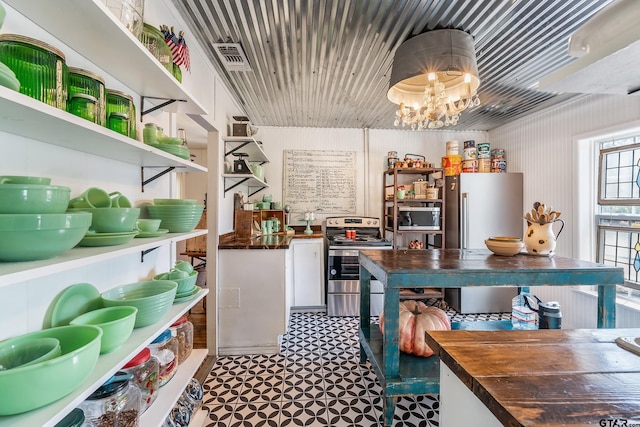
618, 215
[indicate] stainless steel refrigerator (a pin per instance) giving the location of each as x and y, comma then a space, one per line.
479, 206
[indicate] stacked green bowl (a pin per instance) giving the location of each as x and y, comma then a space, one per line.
177, 218
29, 237
185, 282
152, 298
29, 387
116, 324
33, 198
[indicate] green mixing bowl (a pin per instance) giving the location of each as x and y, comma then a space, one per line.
28, 352
28, 237
177, 219
116, 324
184, 284
26, 388
162, 202
33, 198
152, 298
112, 220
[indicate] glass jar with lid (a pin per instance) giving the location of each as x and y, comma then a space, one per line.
165, 349
146, 375
182, 329
84, 82
149, 133
193, 394
115, 403
122, 103
40, 68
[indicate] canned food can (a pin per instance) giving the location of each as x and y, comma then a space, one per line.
498, 165
470, 166
452, 165
469, 144
497, 153
469, 154
484, 150
484, 165
452, 148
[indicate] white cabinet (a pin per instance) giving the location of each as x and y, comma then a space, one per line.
308, 272
89, 28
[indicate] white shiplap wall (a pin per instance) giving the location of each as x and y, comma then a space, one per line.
544, 147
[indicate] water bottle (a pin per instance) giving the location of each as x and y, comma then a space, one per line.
522, 315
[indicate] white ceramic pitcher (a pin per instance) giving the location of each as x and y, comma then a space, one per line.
539, 239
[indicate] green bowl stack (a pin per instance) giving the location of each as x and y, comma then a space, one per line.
177, 218
152, 298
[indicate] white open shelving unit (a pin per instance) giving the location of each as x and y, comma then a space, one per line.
253, 149
88, 27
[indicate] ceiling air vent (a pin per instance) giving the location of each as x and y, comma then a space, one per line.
232, 56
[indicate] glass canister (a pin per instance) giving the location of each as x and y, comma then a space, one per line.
149, 133
146, 375
40, 68
153, 40
182, 330
83, 105
115, 403
122, 103
129, 12
87, 83
193, 394
165, 349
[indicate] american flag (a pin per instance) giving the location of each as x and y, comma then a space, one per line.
178, 46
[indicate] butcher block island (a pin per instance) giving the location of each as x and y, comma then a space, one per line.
402, 374
537, 378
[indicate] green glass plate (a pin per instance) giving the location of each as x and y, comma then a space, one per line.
72, 302
107, 239
196, 291
160, 232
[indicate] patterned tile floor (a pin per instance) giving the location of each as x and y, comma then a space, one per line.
315, 380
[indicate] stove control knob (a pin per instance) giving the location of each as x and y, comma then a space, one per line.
369, 222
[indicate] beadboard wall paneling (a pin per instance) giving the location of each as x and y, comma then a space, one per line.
543, 146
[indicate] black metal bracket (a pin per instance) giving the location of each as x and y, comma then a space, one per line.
146, 251
144, 112
154, 177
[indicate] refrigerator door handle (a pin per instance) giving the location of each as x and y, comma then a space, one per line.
464, 221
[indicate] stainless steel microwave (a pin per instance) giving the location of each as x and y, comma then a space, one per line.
419, 218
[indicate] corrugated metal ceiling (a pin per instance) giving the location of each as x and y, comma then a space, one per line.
327, 63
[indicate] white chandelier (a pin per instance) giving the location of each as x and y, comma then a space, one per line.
434, 78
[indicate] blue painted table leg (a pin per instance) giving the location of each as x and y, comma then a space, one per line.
365, 308
607, 306
389, 409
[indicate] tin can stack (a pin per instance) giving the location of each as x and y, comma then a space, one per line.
470, 157
498, 161
452, 148
484, 157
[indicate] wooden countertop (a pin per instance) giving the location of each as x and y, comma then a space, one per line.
546, 377
270, 241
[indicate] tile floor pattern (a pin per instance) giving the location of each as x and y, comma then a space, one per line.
315, 380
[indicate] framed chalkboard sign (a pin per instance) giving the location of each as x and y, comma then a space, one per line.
320, 180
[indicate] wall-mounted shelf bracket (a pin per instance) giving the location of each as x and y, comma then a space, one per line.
146, 251
143, 112
154, 177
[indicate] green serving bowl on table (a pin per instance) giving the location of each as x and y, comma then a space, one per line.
116, 324
29, 237
33, 199
29, 387
152, 298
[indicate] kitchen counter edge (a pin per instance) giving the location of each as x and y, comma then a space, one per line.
270, 241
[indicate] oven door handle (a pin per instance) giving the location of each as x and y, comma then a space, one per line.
343, 252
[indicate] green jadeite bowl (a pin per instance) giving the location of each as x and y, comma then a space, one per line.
26, 388
29, 237
184, 284
112, 220
163, 202
152, 298
177, 219
116, 324
33, 198
25, 353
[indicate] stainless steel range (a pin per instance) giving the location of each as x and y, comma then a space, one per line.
346, 236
